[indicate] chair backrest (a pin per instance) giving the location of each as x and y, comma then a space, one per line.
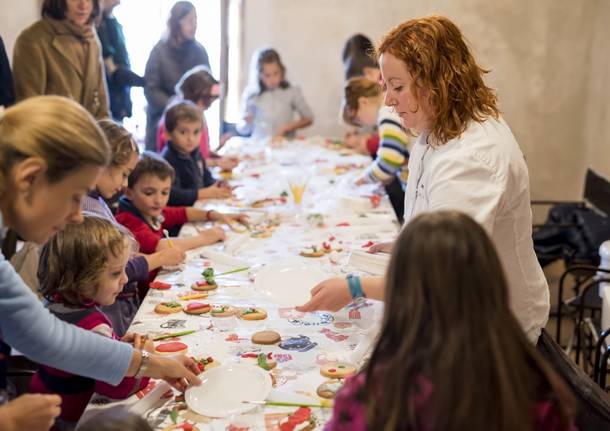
597, 191
593, 404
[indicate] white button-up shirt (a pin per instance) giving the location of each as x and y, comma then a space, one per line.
483, 174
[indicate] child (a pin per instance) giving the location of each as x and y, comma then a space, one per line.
144, 211
112, 181
363, 106
270, 103
200, 87
85, 270
451, 355
358, 58
193, 180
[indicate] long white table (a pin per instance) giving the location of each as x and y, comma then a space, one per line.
346, 219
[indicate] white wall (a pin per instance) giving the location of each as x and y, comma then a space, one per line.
16, 15
552, 90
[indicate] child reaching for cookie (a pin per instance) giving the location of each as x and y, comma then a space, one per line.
144, 211
85, 270
193, 180
271, 106
451, 355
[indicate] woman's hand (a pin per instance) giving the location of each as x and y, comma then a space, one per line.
32, 412
178, 371
140, 342
331, 295
382, 247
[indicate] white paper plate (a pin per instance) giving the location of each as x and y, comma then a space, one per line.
224, 388
288, 283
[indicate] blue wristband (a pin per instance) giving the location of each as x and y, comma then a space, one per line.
355, 289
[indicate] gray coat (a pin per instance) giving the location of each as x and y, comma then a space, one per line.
164, 68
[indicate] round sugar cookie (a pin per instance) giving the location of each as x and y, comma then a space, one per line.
312, 252
266, 337
197, 308
337, 370
252, 314
168, 307
171, 348
329, 389
203, 286
222, 311
206, 363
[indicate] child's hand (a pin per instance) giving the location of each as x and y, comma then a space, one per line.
227, 163
231, 219
215, 191
32, 412
212, 235
360, 181
172, 256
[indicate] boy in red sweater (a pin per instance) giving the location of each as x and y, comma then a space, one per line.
144, 211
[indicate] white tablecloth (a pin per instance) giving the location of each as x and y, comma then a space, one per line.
349, 221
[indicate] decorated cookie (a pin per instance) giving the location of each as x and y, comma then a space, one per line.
313, 251
329, 388
160, 285
265, 361
205, 364
266, 337
300, 420
337, 370
222, 311
301, 343
260, 203
171, 348
168, 307
197, 308
203, 286
252, 314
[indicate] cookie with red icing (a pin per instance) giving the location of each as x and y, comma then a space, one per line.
197, 308
203, 286
300, 420
171, 348
205, 364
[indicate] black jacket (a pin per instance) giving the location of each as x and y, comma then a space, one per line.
191, 175
7, 89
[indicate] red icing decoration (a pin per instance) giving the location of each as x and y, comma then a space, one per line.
174, 346
196, 306
343, 224
367, 244
159, 285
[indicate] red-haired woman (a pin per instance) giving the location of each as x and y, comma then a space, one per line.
465, 158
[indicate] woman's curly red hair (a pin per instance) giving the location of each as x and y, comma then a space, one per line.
437, 57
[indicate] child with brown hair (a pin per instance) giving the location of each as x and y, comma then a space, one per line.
199, 86
145, 212
272, 107
451, 355
193, 180
85, 270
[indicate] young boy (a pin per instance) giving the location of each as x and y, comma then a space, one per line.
144, 211
193, 180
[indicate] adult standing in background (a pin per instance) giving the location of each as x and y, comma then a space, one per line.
171, 57
7, 90
119, 76
465, 158
60, 54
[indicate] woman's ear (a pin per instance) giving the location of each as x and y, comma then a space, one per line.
27, 174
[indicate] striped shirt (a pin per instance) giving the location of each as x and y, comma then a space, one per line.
393, 153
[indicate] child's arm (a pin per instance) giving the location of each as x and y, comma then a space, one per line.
206, 237
195, 215
166, 257
392, 153
302, 108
